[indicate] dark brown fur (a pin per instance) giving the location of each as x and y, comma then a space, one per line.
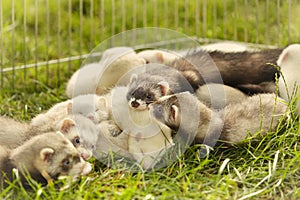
243, 70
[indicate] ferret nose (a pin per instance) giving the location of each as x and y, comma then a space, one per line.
85, 156
135, 104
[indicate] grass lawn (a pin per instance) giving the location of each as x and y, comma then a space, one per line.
261, 168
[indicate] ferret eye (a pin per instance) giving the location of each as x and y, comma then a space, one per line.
149, 97
76, 141
67, 162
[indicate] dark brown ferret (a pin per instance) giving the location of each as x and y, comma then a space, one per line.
251, 72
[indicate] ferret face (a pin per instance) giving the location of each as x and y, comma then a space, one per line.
140, 97
166, 110
82, 134
141, 93
63, 159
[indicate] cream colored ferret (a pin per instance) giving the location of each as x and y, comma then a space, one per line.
289, 81
100, 77
44, 157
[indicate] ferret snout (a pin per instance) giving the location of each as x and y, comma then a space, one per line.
85, 156
135, 104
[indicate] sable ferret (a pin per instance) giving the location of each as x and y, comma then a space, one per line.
14, 133
259, 113
249, 71
289, 82
156, 81
44, 158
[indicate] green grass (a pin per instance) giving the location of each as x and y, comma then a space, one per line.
261, 168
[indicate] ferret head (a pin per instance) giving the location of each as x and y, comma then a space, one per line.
290, 57
167, 111
181, 113
142, 92
64, 160
82, 133
91, 106
50, 154
176, 110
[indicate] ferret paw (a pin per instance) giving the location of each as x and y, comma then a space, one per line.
114, 130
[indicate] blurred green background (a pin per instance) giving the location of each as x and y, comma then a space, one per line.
33, 31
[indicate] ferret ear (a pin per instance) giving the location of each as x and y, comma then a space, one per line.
133, 78
70, 108
46, 154
67, 125
164, 87
174, 113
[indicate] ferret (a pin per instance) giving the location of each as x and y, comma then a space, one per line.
44, 158
182, 74
247, 70
250, 71
101, 76
79, 130
189, 117
155, 81
91, 106
158, 56
217, 96
14, 133
141, 137
289, 82
259, 113
78, 127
